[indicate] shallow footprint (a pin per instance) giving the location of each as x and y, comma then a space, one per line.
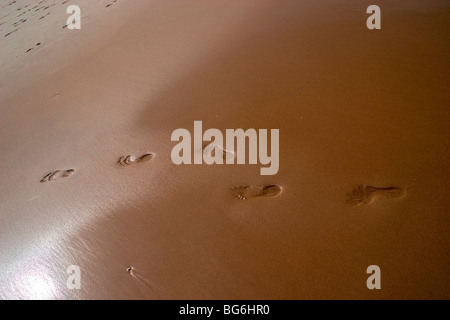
57, 174
248, 192
130, 159
209, 149
363, 194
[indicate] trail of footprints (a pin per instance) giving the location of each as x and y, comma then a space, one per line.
361, 195
32, 11
239, 192
124, 161
22, 10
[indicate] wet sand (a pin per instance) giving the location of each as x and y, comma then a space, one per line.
364, 151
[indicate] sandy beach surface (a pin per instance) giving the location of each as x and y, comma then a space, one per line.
363, 117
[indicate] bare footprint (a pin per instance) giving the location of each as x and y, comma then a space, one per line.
37, 44
10, 33
110, 4
210, 149
58, 174
130, 159
248, 192
363, 194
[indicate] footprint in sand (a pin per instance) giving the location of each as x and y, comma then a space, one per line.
10, 33
130, 159
211, 149
110, 4
44, 15
363, 194
248, 192
37, 45
57, 174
